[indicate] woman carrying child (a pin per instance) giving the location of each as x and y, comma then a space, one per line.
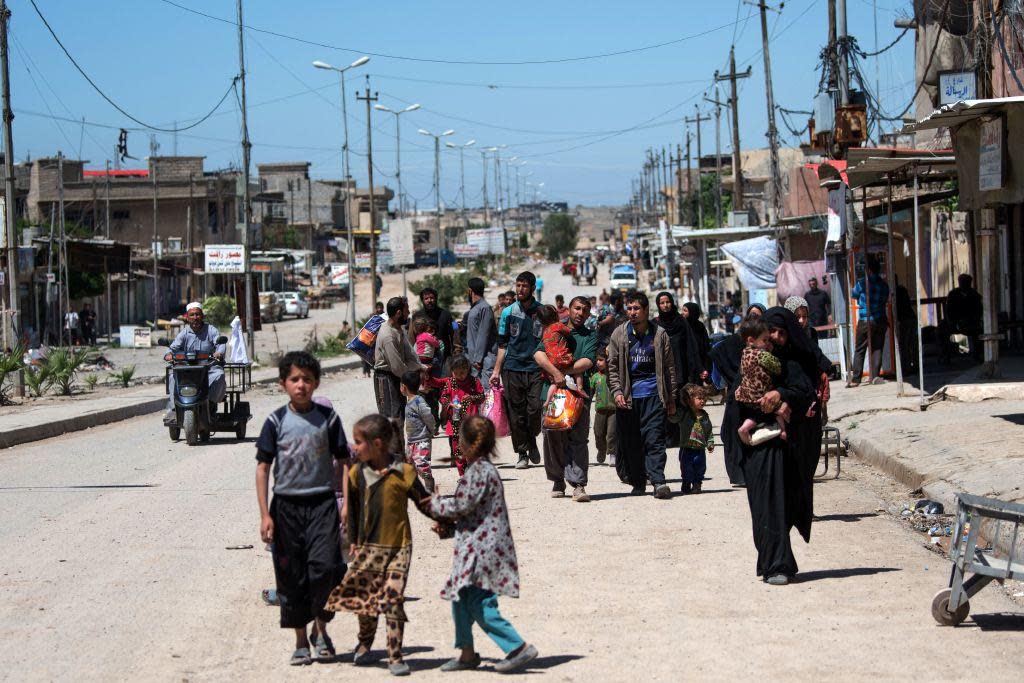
759, 373
380, 539
485, 564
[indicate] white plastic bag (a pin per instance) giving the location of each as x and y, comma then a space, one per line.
237, 352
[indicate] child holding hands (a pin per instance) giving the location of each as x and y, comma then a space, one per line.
485, 564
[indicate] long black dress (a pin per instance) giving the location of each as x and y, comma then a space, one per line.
778, 486
726, 357
700, 332
684, 352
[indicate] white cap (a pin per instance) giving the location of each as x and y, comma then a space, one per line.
194, 304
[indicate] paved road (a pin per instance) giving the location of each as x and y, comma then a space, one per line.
115, 565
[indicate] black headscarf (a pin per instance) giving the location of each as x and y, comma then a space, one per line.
671, 321
759, 307
689, 365
700, 332
798, 348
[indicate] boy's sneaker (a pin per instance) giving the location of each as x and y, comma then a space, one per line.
685, 488
557, 491
601, 458
517, 660
696, 487
523, 463
662, 492
763, 434
580, 495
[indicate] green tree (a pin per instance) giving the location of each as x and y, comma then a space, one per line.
560, 235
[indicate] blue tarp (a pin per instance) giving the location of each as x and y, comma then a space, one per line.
755, 261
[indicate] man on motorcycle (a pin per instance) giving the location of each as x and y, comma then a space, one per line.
197, 337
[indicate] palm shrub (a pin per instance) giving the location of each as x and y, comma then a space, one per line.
63, 363
38, 379
124, 375
91, 381
10, 364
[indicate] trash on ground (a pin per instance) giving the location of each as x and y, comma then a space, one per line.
238, 547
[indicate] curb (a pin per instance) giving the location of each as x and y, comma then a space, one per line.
49, 430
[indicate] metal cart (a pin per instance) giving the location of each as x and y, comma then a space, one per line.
951, 605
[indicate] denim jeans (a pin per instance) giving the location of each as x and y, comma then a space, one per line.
694, 464
480, 606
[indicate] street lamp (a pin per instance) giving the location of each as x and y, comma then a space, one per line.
348, 223
398, 150
437, 187
462, 174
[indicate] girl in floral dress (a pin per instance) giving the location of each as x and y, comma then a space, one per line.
485, 557
461, 397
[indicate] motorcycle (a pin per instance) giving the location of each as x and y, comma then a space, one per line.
195, 414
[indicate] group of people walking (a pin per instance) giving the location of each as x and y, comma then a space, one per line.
641, 380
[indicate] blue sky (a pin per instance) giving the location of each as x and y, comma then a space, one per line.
163, 64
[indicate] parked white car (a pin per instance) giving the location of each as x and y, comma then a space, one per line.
295, 304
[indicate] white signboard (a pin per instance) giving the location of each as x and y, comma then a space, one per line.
990, 155
956, 86
224, 258
836, 217
487, 240
339, 274
403, 252
362, 260
466, 251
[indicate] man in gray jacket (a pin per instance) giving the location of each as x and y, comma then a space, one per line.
642, 381
481, 331
393, 356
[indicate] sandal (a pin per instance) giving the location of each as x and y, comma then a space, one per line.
301, 657
324, 648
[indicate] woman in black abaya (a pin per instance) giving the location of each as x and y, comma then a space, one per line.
776, 488
684, 350
691, 311
726, 357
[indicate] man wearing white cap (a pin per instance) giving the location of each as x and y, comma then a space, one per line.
197, 337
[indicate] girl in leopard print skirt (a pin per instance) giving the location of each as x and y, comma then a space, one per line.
380, 538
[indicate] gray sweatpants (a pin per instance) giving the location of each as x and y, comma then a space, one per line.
566, 456
604, 435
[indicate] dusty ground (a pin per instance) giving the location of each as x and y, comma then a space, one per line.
116, 565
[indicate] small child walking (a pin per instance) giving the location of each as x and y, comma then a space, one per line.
461, 397
419, 429
303, 441
430, 353
696, 436
380, 539
604, 411
484, 565
759, 373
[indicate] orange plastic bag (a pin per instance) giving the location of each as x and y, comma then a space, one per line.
563, 410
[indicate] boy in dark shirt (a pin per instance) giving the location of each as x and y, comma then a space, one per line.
302, 440
696, 436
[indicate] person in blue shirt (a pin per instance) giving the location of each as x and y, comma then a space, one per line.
539, 289
519, 332
872, 295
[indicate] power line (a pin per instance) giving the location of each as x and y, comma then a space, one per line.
114, 104
433, 60
521, 86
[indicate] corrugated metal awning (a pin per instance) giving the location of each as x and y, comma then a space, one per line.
953, 115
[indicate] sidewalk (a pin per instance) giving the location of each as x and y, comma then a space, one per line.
953, 446
35, 423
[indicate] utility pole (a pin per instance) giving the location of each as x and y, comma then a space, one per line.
698, 119
679, 184
190, 220
153, 147
775, 203
487, 212
718, 156
246, 202
106, 200
842, 57
11, 267
689, 173
370, 99
737, 168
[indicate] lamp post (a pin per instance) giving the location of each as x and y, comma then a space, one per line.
344, 148
462, 175
437, 187
398, 149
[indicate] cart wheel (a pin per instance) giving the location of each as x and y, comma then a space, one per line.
240, 430
175, 433
940, 609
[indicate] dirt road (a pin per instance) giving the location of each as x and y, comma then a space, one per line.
116, 565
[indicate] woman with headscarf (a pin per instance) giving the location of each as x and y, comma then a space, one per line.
726, 358
776, 488
819, 376
684, 350
692, 312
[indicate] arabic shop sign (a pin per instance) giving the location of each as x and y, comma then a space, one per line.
225, 258
990, 155
956, 86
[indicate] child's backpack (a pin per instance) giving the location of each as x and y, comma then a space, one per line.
363, 343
